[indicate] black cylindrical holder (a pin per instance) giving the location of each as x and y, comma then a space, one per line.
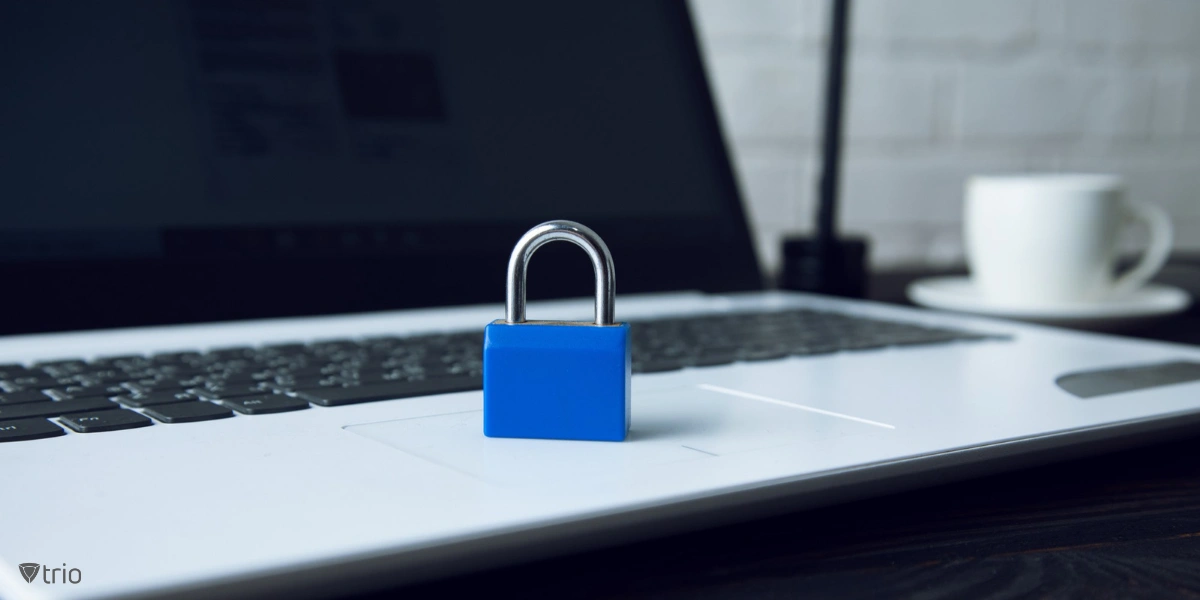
835, 267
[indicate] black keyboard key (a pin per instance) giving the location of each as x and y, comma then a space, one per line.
36, 380
188, 412
284, 349
232, 352
155, 399
373, 377
54, 409
121, 361
61, 366
24, 397
222, 391
28, 429
327, 347
148, 386
167, 371
264, 405
100, 376
237, 377
75, 391
12, 371
338, 396
105, 420
175, 358
304, 371
288, 384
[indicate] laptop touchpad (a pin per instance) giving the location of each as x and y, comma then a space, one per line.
681, 424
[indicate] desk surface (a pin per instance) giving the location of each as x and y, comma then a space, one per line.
1125, 524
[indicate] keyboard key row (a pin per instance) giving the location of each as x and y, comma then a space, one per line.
9, 412
113, 418
185, 387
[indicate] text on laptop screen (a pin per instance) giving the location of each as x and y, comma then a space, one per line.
123, 119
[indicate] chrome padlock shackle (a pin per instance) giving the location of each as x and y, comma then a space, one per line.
569, 231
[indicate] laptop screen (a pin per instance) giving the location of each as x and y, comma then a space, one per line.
219, 159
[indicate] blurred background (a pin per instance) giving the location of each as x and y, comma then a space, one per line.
942, 89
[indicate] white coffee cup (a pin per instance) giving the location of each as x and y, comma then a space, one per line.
1044, 240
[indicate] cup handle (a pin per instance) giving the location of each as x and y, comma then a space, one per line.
1157, 252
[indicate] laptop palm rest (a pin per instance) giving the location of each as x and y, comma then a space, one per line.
681, 424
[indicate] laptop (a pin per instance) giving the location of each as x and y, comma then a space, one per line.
250, 249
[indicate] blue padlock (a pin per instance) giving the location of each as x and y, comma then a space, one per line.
557, 379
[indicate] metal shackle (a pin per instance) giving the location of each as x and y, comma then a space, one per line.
569, 231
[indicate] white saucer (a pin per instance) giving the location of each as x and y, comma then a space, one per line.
1124, 312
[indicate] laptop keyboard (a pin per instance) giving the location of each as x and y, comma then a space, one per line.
127, 392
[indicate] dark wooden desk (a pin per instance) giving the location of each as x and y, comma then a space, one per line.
1120, 525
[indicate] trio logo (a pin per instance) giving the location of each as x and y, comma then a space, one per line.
30, 572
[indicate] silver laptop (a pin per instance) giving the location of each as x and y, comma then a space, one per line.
249, 252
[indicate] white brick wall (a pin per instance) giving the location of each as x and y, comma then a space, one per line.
942, 89
971, 22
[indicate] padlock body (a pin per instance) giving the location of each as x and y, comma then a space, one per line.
550, 380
